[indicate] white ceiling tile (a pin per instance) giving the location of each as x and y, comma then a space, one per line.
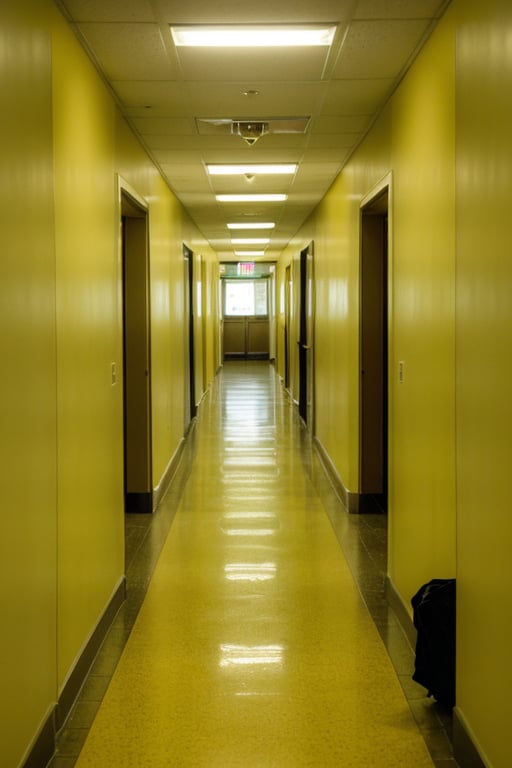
130, 51
172, 142
398, 9
268, 11
356, 97
238, 64
167, 96
333, 140
322, 155
284, 155
239, 185
110, 10
339, 124
148, 126
162, 91
379, 48
276, 99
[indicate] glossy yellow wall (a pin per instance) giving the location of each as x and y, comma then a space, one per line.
411, 148
93, 146
90, 511
484, 369
28, 382
63, 146
444, 138
422, 436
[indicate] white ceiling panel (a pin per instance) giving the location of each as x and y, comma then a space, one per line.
265, 11
397, 9
163, 141
356, 97
165, 126
333, 140
110, 10
275, 98
162, 90
167, 96
354, 124
130, 51
236, 64
379, 48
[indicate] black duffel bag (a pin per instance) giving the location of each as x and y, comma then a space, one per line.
434, 619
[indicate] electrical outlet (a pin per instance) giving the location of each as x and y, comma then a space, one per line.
401, 371
113, 370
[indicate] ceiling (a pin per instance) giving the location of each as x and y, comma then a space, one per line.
166, 94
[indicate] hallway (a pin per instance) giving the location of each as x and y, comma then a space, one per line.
253, 647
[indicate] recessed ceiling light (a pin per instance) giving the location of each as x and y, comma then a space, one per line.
250, 240
252, 225
255, 169
277, 198
249, 253
235, 36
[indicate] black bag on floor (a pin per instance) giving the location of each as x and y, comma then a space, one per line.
434, 618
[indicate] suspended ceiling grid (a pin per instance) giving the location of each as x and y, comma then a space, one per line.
165, 92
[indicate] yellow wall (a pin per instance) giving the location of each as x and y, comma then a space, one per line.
28, 382
450, 315
90, 507
422, 438
411, 147
444, 138
63, 146
484, 369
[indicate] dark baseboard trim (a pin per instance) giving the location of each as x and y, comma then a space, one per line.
401, 612
464, 748
351, 501
169, 472
79, 674
43, 747
139, 502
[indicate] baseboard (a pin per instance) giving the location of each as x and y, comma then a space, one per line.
169, 472
351, 501
464, 748
139, 502
401, 612
43, 747
81, 669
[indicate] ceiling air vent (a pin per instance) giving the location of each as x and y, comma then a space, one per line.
250, 130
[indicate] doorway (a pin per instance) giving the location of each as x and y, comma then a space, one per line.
287, 325
373, 417
306, 331
246, 318
138, 492
190, 371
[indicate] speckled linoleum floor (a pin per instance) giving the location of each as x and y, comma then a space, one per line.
263, 639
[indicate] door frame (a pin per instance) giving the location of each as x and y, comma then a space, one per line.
306, 336
190, 367
287, 324
135, 323
374, 346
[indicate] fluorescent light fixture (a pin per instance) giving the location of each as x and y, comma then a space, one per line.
253, 225
253, 35
250, 198
243, 254
253, 170
250, 240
